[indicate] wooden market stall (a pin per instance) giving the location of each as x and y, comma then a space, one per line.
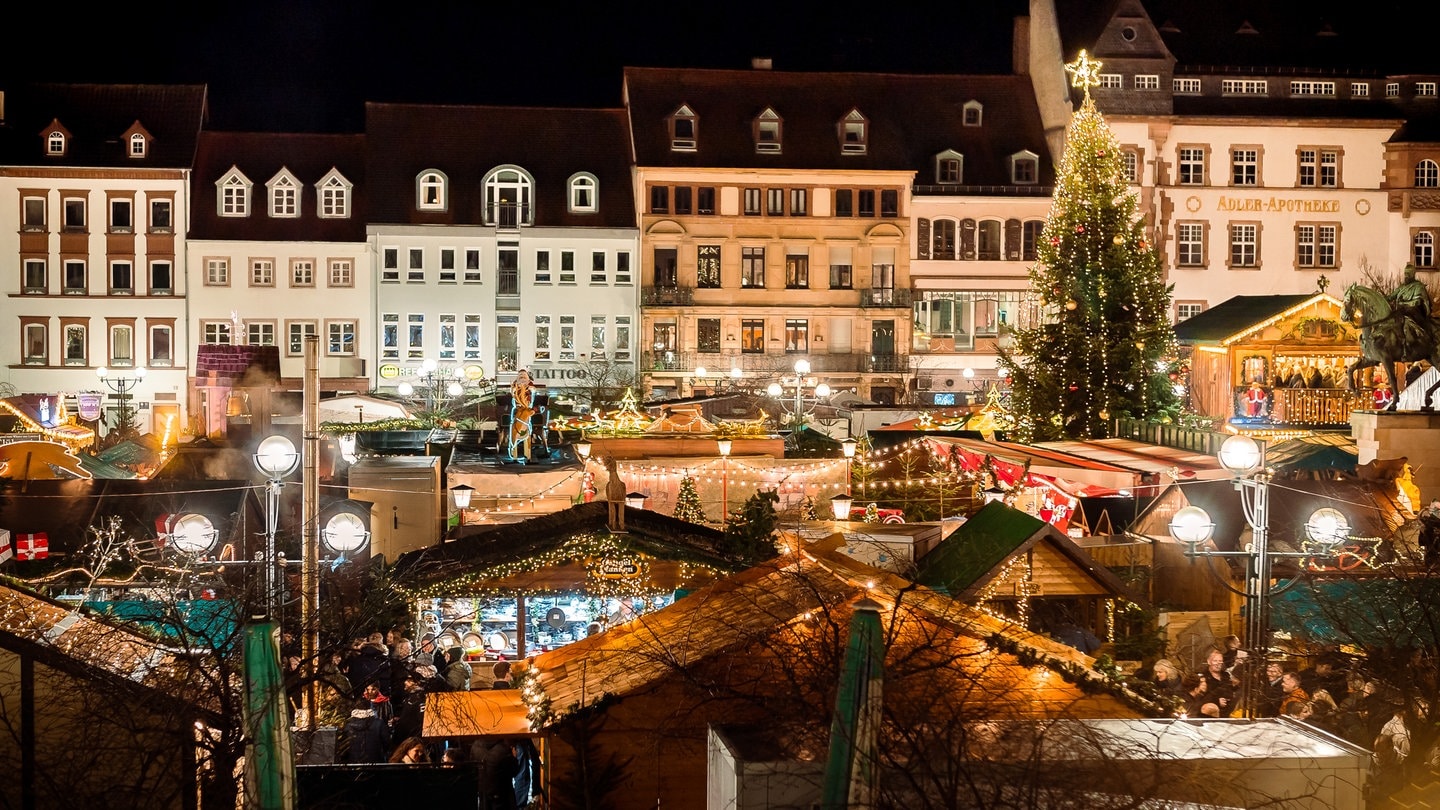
1272, 364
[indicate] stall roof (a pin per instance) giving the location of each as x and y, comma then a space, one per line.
1047, 462
483, 712
1323, 451
1143, 458
1240, 316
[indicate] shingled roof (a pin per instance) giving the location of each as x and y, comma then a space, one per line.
1234, 316
97, 116
911, 119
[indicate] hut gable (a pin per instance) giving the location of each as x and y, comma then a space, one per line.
1263, 318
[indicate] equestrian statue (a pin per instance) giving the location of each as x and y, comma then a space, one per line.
1393, 329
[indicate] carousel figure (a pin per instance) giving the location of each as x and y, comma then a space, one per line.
522, 409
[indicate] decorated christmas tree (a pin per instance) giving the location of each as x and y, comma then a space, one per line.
687, 502
1104, 341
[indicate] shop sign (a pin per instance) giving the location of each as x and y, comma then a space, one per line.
389, 371
618, 568
559, 373
88, 404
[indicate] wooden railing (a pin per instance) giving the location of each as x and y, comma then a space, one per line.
1317, 407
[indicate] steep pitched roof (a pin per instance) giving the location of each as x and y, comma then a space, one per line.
466, 143
1236, 315
911, 120
260, 156
97, 116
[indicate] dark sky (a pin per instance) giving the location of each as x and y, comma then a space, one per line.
309, 65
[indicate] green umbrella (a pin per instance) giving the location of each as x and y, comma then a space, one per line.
851, 773
269, 765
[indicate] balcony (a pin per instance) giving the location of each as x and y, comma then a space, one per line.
667, 361
886, 363
666, 296
885, 297
1303, 407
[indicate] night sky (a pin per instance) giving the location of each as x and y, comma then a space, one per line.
309, 65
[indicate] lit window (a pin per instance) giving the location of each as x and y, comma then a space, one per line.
508, 202
137, 145
584, 193
430, 191
55, 142
854, 133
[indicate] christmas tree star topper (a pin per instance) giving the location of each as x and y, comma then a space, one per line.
1085, 72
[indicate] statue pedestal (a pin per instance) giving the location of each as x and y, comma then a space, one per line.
1393, 434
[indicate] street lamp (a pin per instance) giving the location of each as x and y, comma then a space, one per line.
344, 532
840, 506
797, 411
847, 447
122, 386
276, 458
1192, 526
462, 493
724, 446
582, 449
193, 534
434, 387
635, 500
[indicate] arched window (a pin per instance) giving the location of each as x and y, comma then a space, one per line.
234, 194
55, 144
1427, 174
942, 239
1424, 249
137, 145
584, 190
430, 191
974, 113
508, 191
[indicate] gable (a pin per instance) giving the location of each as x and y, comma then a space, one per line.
1131, 34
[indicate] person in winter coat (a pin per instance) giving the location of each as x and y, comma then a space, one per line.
409, 709
367, 738
498, 768
371, 665
458, 672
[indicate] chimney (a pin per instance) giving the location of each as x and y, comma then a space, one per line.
1020, 47
761, 63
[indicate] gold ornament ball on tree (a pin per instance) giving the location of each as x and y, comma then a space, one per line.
1071, 304
1119, 239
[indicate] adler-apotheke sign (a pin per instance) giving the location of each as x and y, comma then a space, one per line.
1278, 204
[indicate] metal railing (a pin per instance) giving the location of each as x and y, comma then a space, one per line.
666, 296
877, 297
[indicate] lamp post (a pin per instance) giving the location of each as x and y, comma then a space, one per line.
848, 448
1192, 526
122, 385
462, 493
344, 532
799, 382
723, 446
840, 506
276, 458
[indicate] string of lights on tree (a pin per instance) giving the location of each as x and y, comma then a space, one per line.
1105, 343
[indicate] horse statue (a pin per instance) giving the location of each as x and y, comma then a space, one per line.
1385, 340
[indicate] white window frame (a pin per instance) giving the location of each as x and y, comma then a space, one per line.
622, 337
622, 267
972, 114
567, 339
284, 191
513, 179
333, 192
1146, 81
431, 190
1185, 87
1188, 309
260, 333
389, 336
582, 184
1244, 87
217, 272
302, 272
854, 131
117, 206
341, 272
1244, 245
414, 341
151, 287
137, 145
769, 132
542, 338
1422, 249
122, 335
295, 334
155, 360
1245, 166
1359, 89
472, 333
684, 128
55, 142
1312, 88
949, 156
168, 206
1190, 160
232, 194
262, 272
1425, 89
341, 329
41, 266
1392, 89
1111, 81
1024, 157
449, 326
1427, 174
474, 267
217, 333
390, 263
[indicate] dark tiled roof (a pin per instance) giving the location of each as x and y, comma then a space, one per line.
1269, 107
465, 143
97, 116
261, 156
911, 119
1235, 315
1418, 130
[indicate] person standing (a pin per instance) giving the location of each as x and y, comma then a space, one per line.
458, 672
366, 736
498, 768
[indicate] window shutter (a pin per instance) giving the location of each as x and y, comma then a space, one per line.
923, 238
1012, 240
967, 239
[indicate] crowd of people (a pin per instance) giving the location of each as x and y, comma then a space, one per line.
378, 688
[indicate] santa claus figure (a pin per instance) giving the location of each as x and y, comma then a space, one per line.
1383, 395
1255, 400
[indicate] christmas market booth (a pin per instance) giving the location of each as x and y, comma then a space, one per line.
521, 588
1274, 365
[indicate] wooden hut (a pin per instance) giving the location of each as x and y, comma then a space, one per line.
1273, 364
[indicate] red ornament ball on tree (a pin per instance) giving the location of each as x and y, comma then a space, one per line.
1054, 240
1079, 229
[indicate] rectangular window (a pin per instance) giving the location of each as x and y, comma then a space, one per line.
1188, 310
598, 336
841, 269
162, 278
987, 240
75, 214
215, 333
1244, 87
507, 272
866, 207
707, 267
797, 271
542, 337
889, 202
334, 200
122, 278
775, 201
1392, 89
752, 267
1244, 245
1111, 81
1148, 81
37, 344
1244, 167
390, 264
262, 273
36, 281
340, 340
342, 273
1309, 167
302, 272
598, 273
797, 335
1192, 166
416, 270
217, 272
161, 353
622, 337
752, 336
622, 267
683, 197
448, 324
567, 267
1131, 163
1315, 245
844, 202
297, 331
666, 270
567, 338
752, 202
447, 265
507, 342
260, 333
415, 336
1030, 233
122, 346
542, 267
76, 345
32, 217
882, 271
705, 200
472, 334
472, 265
1425, 89
76, 280
664, 342
799, 201
1186, 87
1359, 89
1190, 244
120, 216
659, 199
1312, 88
707, 335
390, 336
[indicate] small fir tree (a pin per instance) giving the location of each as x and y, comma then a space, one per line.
750, 534
687, 502
1099, 347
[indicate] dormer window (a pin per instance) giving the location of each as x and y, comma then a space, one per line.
430, 191
583, 190
949, 167
1024, 168
768, 132
683, 126
234, 194
509, 198
854, 133
333, 191
57, 139
973, 113
284, 195
137, 145
137, 141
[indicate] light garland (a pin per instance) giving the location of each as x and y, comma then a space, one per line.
1022, 585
